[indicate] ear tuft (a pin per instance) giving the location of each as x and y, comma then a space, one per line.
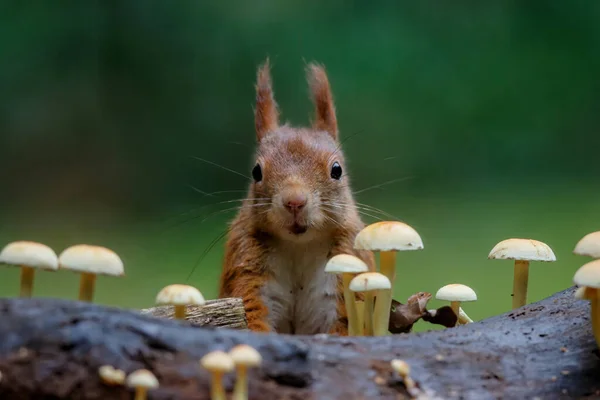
325, 118
266, 116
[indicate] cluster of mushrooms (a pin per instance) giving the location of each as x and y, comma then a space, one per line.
240, 358
370, 317
87, 260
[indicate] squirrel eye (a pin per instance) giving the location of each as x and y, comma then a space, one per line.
257, 173
336, 171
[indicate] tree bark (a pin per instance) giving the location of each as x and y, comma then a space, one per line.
220, 313
51, 349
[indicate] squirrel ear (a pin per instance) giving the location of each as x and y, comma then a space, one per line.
321, 95
266, 115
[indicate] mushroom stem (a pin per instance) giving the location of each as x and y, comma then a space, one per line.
455, 305
463, 318
27, 274
86, 287
595, 309
217, 392
179, 311
383, 305
353, 327
140, 393
368, 313
521, 278
360, 317
240, 391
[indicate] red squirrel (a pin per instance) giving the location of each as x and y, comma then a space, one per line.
299, 212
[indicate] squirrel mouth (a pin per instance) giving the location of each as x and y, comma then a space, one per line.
298, 229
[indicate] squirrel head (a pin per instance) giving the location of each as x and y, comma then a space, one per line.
300, 189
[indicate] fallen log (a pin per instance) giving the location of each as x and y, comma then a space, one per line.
220, 313
51, 349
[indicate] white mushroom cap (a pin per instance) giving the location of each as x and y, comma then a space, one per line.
522, 249
245, 355
346, 263
388, 236
91, 259
588, 275
217, 361
456, 292
142, 378
368, 281
179, 295
111, 376
589, 245
401, 367
29, 254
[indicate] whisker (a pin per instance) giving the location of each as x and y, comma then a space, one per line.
199, 191
383, 184
210, 246
221, 166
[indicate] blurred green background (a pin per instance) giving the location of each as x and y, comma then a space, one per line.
483, 114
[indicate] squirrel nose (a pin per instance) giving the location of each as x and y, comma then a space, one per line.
295, 202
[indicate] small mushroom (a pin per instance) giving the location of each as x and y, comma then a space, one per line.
588, 276
387, 237
456, 293
463, 318
348, 266
584, 293
142, 380
217, 363
243, 357
180, 296
111, 376
370, 283
402, 368
90, 261
589, 245
29, 256
522, 251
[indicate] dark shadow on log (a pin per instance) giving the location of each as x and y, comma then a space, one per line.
51, 349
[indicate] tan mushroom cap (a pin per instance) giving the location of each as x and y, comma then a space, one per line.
588, 275
346, 263
388, 236
369, 281
91, 259
217, 361
589, 245
522, 249
142, 378
179, 295
456, 292
111, 376
245, 355
29, 254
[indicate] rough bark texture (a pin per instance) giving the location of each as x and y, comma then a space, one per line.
220, 313
51, 349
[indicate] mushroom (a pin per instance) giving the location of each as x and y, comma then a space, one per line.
348, 265
141, 380
403, 369
90, 261
456, 293
588, 276
387, 237
243, 357
29, 256
217, 363
463, 318
111, 376
589, 245
179, 296
370, 283
522, 251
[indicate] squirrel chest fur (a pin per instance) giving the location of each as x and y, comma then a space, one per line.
299, 212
